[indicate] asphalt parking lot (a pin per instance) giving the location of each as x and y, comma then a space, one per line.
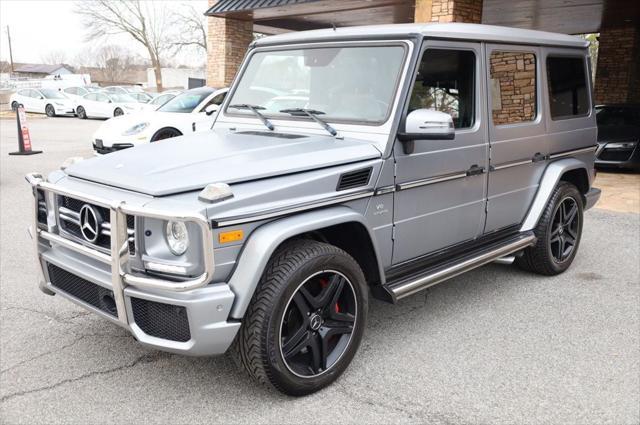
496, 345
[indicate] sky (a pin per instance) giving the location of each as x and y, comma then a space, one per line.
39, 26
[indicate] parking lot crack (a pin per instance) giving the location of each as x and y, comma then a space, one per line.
55, 317
144, 359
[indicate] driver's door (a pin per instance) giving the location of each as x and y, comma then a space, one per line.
441, 185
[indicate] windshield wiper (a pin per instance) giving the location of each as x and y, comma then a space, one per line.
313, 114
256, 112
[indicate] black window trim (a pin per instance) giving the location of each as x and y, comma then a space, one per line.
587, 79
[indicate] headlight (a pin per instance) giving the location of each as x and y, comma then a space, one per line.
127, 107
177, 237
138, 128
59, 104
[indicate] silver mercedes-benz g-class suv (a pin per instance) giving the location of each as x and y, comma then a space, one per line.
344, 162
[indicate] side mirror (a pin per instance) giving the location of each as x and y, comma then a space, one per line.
41, 97
211, 109
426, 124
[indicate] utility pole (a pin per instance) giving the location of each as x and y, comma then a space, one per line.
10, 52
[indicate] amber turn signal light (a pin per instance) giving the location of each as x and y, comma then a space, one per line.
230, 236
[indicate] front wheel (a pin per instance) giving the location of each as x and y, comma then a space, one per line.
50, 111
559, 232
14, 106
117, 112
82, 114
306, 318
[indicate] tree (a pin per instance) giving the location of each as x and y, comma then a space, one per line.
114, 61
147, 22
54, 57
193, 30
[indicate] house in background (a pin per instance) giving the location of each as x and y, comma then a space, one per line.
36, 70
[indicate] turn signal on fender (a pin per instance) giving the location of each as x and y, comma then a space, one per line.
230, 236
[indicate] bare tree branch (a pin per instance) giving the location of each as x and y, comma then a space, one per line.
146, 22
193, 29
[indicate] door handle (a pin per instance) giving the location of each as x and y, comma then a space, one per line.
538, 157
475, 170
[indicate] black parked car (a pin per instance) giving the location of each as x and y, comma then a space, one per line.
618, 136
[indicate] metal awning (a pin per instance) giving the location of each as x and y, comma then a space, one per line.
229, 6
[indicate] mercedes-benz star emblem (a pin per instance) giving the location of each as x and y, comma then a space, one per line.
315, 322
89, 223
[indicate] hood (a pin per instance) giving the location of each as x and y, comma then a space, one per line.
191, 162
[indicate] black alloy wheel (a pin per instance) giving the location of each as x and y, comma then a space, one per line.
82, 114
564, 229
50, 110
318, 323
118, 112
165, 133
14, 106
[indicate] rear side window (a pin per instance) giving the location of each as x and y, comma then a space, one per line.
568, 94
513, 87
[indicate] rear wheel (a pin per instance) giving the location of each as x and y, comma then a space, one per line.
559, 232
82, 114
50, 110
14, 106
306, 318
117, 112
165, 133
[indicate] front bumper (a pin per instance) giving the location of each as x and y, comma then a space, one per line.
150, 308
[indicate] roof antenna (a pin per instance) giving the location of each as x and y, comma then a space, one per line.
333, 24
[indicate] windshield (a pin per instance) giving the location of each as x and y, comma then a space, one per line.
185, 102
122, 98
52, 94
355, 84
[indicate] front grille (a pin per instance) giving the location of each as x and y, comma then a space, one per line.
164, 321
615, 154
90, 293
69, 214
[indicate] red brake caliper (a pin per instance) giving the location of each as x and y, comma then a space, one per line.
323, 284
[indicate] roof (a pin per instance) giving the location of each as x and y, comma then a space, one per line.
457, 31
37, 68
223, 6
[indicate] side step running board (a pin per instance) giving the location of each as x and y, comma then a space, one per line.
432, 276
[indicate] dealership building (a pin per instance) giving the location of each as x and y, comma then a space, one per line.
231, 25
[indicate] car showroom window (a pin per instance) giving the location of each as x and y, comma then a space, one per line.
513, 87
445, 83
568, 94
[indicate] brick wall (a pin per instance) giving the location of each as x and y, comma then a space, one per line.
449, 11
618, 70
513, 87
227, 41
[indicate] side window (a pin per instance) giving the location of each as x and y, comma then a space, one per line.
24, 93
91, 96
513, 87
445, 82
35, 93
568, 94
101, 98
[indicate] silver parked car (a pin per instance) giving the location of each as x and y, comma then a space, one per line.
417, 153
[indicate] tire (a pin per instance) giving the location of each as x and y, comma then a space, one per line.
14, 106
557, 244
118, 112
165, 133
81, 113
275, 318
50, 110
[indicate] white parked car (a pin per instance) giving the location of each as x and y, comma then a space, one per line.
76, 93
123, 89
192, 111
106, 105
160, 100
42, 101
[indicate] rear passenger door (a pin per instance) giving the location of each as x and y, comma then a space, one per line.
517, 135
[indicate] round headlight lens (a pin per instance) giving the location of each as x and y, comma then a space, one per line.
177, 237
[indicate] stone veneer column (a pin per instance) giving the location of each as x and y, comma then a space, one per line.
227, 42
469, 11
618, 70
